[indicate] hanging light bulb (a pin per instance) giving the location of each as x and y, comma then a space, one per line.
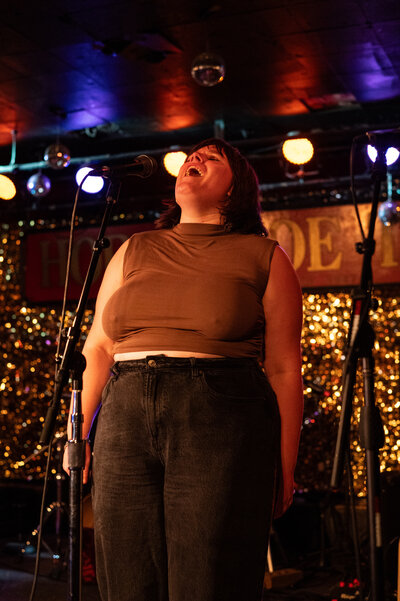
208, 69
389, 211
173, 161
7, 188
38, 185
57, 156
298, 151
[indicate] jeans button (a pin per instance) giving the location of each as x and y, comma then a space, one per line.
152, 363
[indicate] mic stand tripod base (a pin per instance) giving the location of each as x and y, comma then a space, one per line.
282, 578
279, 578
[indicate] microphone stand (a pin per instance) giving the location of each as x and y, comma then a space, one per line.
76, 464
73, 360
360, 344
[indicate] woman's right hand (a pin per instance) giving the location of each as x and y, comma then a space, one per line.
88, 458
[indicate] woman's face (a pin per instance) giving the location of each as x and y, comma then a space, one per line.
204, 181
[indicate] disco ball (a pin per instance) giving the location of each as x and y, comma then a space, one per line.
57, 156
208, 69
38, 185
389, 212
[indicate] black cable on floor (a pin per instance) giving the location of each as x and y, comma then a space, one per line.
40, 527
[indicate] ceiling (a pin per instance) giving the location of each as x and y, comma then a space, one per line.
109, 76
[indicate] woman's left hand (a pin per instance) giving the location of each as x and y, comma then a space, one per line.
284, 496
88, 458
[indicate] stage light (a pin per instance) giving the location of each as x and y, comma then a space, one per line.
91, 185
208, 69
389, 212
391, 154
57, 156
173, 161
7, 188
38, 185
298, 150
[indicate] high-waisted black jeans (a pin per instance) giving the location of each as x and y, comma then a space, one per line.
184, 467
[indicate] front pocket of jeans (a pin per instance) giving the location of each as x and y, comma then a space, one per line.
233, 386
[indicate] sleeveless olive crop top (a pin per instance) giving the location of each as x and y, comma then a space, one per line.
193, 288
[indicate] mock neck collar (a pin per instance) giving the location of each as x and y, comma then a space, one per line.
199, 229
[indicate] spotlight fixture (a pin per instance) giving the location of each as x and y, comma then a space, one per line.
7, 188
92, 184
173, 161
391, 154
298, 151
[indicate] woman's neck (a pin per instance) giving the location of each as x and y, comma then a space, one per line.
212, 218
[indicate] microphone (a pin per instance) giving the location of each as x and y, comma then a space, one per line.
141, 166
381, 138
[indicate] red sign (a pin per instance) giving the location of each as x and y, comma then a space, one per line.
46, 260
320, 242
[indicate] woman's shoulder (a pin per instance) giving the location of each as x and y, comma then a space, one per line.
262, 243
144, 239
145, 236
150, 234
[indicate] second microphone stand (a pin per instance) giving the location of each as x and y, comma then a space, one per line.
360, 345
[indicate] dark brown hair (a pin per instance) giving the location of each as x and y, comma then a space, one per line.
241, 212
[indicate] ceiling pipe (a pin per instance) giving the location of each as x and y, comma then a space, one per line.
87, 160
329, 181
273, 144
100, 158
13, 147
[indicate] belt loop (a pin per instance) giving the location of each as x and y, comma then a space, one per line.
195, 369
115, 369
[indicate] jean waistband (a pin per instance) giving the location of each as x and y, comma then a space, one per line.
162, 362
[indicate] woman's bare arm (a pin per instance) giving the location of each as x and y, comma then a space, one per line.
283, 315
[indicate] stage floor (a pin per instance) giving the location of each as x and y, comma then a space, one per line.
16, 575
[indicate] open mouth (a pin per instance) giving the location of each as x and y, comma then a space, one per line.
194, 171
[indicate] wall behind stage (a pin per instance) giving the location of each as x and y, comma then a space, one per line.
28, 333
320, 241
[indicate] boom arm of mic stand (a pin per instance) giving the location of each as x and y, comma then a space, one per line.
74, 331
361, 308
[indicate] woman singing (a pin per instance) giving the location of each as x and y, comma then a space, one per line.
196, 444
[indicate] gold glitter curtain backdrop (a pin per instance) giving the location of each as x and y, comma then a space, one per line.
28, 344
